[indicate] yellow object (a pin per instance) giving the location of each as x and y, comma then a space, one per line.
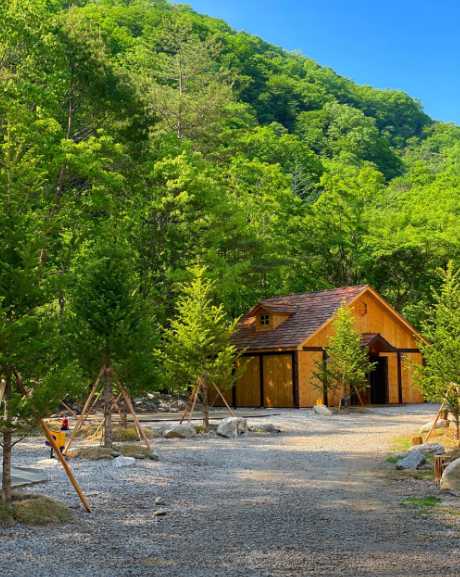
59, 437
319, 402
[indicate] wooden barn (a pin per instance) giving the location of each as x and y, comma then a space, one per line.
283, 337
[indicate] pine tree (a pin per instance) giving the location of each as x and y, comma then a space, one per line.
439, 377
348, 363
114, 329
198, 350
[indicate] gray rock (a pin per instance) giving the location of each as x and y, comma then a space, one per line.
322, 410
264, 428
159, 501
413, 460
232, 427
441, 424
450, 480
121, 462
430, 449
179, 431
153, 456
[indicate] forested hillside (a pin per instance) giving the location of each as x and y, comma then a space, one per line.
149, 127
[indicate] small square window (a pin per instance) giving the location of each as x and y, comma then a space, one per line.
265, 320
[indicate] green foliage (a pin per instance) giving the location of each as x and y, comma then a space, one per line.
348, 363
439, 377
108, 310
197, 345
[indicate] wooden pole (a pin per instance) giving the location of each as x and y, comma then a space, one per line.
441, 408
190, 404
65, 465
195, 398
225, 400
129, 404
84, 412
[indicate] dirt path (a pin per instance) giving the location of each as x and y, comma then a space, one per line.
316, 500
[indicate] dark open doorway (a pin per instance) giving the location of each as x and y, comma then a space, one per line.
378, 381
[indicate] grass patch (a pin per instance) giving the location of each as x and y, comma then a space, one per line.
119, 434
421, 502
93, 453
35, 510
136, 451
401, 444
393, 459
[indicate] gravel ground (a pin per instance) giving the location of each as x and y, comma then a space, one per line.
318, 499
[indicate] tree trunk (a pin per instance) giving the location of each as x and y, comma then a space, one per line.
108, 398
6, 472
205, 398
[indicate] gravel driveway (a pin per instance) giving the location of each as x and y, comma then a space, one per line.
316, 500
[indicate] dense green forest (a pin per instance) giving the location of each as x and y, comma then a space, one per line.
151, 128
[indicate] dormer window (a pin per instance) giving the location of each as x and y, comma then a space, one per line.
265, 320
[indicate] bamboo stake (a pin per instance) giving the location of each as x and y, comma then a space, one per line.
140, 430
190, 404
65, 465
84, 412
441, 408
195, 398
66, 406
225, 400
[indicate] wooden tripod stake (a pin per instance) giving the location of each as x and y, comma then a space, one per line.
188, 412
90, 402
65, 465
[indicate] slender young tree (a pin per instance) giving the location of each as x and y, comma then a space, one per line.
198, 350
348, 363
439, 376
112, 322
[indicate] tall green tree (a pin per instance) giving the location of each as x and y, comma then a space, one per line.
348, 364
439, 376
197, 346
111, 321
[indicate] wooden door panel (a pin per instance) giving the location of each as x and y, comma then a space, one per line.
248, 385
278, 390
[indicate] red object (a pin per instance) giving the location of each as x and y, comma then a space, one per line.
65, 424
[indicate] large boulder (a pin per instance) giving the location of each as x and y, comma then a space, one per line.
179, 431
232, 427
450, 480
430, 449
322, 410
441, 424
413, 460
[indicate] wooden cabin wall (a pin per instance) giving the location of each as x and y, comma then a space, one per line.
308, 393
411, 394
393, 389
379, 320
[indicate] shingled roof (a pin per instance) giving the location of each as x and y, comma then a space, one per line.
307, 313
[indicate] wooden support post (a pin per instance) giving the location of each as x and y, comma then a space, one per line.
190, 404
441, 408
65, 465
225, 400
140, 430
84, 412
195, 398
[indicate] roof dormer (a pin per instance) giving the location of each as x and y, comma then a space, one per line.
269, 317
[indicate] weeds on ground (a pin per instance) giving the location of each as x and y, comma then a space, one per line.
421, 502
